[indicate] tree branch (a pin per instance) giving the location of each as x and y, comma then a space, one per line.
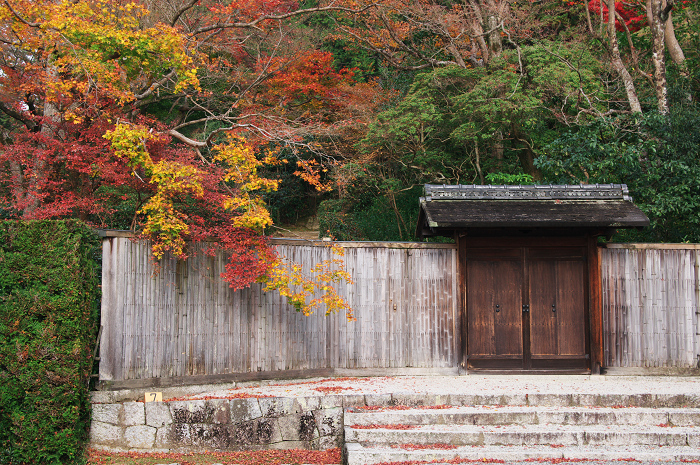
18, 115
182, 11
18, 16
191, 142
291, 14
155, 85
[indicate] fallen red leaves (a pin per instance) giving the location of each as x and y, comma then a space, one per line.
325, 380
333, 389
451, 461
555, 460
437, 446
261, 457
399, 407
238, 395
384, 426
367, 407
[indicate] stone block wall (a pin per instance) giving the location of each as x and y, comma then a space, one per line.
313, 423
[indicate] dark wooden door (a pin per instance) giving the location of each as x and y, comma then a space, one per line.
495, 322
526, 308
557, 308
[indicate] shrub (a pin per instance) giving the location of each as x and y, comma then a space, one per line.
48, 319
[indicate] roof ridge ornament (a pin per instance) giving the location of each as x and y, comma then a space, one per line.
527, 192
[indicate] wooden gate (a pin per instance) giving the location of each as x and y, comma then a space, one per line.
527, 308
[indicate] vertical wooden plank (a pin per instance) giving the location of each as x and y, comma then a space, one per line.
237, 331
109, 312
595, 309
696, 306
126, 334
456, 296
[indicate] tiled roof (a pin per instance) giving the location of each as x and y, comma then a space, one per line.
549, 206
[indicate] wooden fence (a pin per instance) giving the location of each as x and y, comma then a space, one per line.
184, 322
650, 305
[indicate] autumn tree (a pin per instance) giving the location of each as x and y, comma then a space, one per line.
163, 123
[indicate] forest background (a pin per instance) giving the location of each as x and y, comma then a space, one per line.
201, 120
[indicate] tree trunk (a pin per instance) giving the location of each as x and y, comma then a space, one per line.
478, 162
618, 65
526, 155
478, 31
35, 182
657, 24
456, 55
674, 48
493, 31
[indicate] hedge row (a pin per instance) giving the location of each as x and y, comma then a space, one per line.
49, 292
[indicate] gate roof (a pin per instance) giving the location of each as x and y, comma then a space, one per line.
448, 208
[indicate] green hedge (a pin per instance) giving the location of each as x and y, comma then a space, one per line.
49, 292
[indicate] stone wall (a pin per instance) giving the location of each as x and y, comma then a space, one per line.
313, 423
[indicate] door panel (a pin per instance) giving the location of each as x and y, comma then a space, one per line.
495, 312
551, 282
570, 308
557, 308
543, 322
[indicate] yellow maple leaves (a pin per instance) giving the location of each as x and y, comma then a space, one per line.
164, 222
167, 226
241, 170
98, 49
290, 280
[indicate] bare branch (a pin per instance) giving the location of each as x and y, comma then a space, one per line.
155, 85
182, 11
181, 137
633, 50
291, 14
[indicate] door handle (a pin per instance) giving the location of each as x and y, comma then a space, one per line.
498, 308
526, 308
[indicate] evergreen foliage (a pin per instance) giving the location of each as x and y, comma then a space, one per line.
657, 156
48, 319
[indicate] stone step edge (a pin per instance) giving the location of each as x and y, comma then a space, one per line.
360, 455
543, 437
451, 409
536, 428
650, 400
527, 415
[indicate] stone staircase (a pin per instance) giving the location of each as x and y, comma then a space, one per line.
646, 427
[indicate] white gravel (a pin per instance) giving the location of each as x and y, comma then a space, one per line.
469, 384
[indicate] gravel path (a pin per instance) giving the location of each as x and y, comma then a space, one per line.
487, 384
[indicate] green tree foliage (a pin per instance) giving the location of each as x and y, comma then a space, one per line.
657, 156
519, 102
549, 88
388, 217
48, 320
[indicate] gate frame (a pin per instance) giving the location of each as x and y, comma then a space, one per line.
552, 238
537, 213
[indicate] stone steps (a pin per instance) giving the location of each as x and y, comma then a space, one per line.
561, 435
361, 454
526, 415
549, 430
